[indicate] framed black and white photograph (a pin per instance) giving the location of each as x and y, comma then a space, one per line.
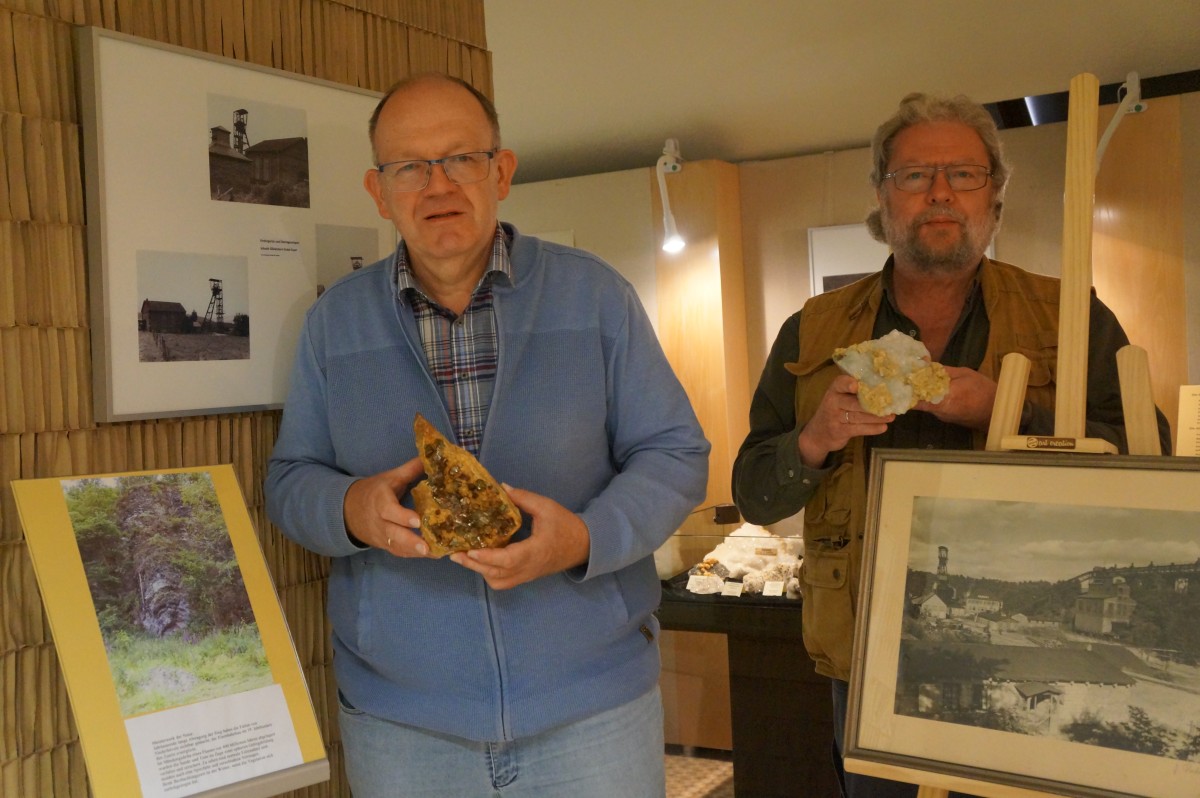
1028, 620
206, 180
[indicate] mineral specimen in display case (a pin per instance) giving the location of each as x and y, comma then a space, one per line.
754, 557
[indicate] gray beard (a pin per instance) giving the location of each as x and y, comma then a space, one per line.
907, 245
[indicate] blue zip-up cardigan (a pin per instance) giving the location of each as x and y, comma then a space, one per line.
586, 411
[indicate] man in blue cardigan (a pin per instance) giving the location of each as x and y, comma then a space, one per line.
530, 669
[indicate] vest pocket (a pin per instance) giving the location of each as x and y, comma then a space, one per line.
827, 613
1041, 372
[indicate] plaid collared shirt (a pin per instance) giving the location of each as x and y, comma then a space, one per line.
461, 350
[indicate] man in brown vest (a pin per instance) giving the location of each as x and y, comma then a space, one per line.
939, 176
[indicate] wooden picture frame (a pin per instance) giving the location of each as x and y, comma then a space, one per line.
1027, 624
221, 198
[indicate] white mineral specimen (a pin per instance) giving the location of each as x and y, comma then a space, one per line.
779, 572
893, 373
755, 556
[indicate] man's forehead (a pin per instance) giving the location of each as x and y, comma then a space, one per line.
422, 125
430, 94
939, 136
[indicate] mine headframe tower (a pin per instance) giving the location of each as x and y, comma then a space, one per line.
216, 306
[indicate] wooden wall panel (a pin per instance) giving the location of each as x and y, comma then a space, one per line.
1137, 241
47, 428
701, 308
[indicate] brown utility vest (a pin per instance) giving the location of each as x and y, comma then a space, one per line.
1022, 309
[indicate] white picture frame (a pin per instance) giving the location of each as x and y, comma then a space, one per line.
165, 257
842, 253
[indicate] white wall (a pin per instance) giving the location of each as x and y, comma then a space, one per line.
608, 215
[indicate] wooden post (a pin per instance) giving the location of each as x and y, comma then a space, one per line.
1137, 401
1010, 397
1070, 397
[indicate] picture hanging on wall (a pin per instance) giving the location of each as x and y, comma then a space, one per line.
1028, 620
840, 254
207, 183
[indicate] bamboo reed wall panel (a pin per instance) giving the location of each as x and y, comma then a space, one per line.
47, 428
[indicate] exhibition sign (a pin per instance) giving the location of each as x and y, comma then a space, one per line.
182, 675
1027, 624
222, 198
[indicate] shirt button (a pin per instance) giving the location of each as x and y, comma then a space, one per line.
766, 498
791, 473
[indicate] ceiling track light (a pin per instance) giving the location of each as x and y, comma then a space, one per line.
669, 161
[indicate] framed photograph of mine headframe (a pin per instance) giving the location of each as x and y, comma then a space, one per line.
222, 198
1028, 623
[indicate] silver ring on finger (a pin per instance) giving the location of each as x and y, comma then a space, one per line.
847, 416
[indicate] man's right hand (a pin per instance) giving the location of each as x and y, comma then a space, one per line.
839, 418
374, 515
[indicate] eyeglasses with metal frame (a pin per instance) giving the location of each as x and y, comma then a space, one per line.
413, 175
960, 176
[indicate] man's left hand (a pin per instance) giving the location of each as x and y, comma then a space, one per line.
969, 401
558, 540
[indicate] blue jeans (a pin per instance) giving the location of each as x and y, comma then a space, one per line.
618, 752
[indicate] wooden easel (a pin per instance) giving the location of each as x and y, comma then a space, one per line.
1070, 396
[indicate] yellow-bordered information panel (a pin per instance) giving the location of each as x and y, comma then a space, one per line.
155, 580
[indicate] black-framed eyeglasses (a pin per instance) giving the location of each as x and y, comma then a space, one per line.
960, 176
462, 168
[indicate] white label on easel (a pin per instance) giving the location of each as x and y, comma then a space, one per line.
731, 589
774, 588
1187, 436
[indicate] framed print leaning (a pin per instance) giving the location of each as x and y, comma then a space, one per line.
182, 675
222, 197
1028, 623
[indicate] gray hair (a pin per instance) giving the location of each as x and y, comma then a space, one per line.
917, 108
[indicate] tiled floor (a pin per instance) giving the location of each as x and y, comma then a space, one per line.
698, 773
